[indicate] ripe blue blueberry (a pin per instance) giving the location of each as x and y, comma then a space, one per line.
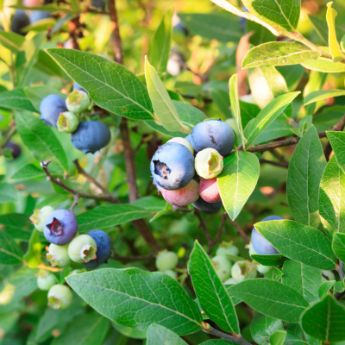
13, 150
19, 21
103, 244
216, 134
50, 108
206, 207
36, 16
91, 136
172, 166
61, 226
260, 244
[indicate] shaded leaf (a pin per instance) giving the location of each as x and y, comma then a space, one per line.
15, 100
158, 335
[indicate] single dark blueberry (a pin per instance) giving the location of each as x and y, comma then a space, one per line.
206, 207
14, 149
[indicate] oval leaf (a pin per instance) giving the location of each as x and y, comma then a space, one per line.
135, 298
299, 242
158, 335
278, 54
110, 85
237, 181
210, 291
325, 320
270, 298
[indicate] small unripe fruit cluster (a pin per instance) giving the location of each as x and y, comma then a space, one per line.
60, 229
166, 262
66, 116
185, 170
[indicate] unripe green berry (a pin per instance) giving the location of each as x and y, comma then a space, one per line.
227, 249
78, 101
82, 249
243, 269
263, 269
39, 216
166, 260
45, 280
222, 267
183, 142
57, 255
172, 274
59, 296
208, 163
67, 122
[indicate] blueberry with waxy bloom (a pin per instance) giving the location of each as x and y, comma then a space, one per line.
260, 244
51, 107
61, 226
172, 166
214, 134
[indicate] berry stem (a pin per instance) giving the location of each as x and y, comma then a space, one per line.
207, 328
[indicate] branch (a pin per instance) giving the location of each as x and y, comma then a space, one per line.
204, 228
277, 164
220, 231
92, 180
240, 231
207, 328
57, 181
140, 224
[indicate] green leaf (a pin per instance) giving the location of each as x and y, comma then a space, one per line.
324, 65
304, 279
27, 173
321, 95
325, 320
158, 335
304, 175
110, 85
337, 141
32, 257
108, 216
220, 26
87, 329
10, 252
278, 54
165, 112
285, 13
210, 291
12, 41
237, 181
270, 298
160, 45
217, 342
15, 100
40, 139
262, 327
299, 242
267, 116
235, 106
17, 224
278, 338
333, 44
135, 298
338, 245
332, 201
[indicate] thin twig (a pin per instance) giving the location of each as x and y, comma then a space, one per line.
277, 164
240, 231
207, 328
91, 179
220, 231
204, 228
57, 181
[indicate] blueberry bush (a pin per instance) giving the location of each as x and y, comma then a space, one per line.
172, 172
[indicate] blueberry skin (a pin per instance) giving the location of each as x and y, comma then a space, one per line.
36, 16
172, 166
14, 148
215, 134
260, 244
61, 226
91, 136
50, 108
103, 243
206, 207
76, 86
19, 21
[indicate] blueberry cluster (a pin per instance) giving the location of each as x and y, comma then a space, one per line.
185, 170
60, 230
66, 115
